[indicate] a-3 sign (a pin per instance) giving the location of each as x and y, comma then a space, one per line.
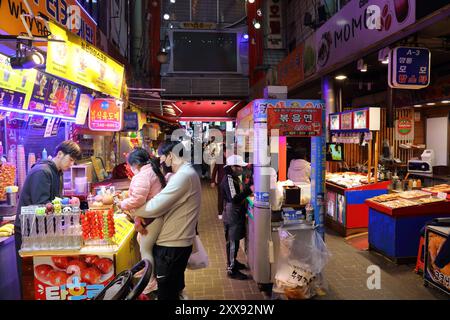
409, 68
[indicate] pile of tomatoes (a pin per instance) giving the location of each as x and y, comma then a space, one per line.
98, 224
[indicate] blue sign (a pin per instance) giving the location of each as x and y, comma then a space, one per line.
131, 122
410, 68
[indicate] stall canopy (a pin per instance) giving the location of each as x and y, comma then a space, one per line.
207, 110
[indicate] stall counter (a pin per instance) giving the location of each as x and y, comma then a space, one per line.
116, 258
347, 213
395, 233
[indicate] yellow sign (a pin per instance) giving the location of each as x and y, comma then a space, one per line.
82, 63
16, 86
65, 12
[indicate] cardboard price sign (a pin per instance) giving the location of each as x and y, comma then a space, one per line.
295, 122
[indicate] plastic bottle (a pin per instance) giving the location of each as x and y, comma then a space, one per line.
44, 154
309, 212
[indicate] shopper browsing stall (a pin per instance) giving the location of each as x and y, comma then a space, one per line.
146, 183
179, 206
235, 193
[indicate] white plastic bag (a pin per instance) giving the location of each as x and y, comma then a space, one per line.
302, 258
199, 257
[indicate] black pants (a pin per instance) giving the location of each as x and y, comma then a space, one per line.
232, 250
170, 265
219, 201
18, 244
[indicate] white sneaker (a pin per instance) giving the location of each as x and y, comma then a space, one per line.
220, 217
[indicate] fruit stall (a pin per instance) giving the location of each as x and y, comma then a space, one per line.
72, 254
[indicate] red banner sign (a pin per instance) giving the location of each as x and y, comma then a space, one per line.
295, 122
106, 115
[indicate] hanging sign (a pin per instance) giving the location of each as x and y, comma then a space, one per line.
410, 68
404, 129
106, 115
82, 63
299, 122
274, 24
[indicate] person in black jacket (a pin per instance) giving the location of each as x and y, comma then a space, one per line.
234, 195
44, 183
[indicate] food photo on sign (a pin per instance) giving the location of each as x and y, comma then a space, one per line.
71, 277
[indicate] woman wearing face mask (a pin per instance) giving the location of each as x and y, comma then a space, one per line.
178, 204
146, 183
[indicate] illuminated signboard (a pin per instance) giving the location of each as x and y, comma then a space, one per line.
106, 115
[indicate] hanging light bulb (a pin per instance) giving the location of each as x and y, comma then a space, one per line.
166, 16
251, 1
256, 24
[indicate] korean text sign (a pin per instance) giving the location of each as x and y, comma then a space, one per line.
298, 122
82, 63
410, 68
106, 115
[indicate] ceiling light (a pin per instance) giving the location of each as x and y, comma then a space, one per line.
445, 101
341, 77
166, 16
259, 12
431, 104
417, 105
385, 61
364, 68
172, 1
251, 1
256, 24
245, 36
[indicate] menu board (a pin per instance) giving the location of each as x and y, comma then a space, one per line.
15, 85
360, 119
347, 121
54, 96
82, 63
106, 115
335, 122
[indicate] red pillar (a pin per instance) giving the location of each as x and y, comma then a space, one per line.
256, 42
155, 42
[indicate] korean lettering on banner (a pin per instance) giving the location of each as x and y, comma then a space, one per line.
298, 122
274, 18
410, 69
65, 12
54, 281
106, 115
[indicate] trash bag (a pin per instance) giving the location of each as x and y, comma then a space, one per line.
302, 258
199, 257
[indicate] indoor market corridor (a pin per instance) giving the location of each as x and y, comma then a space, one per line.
346, 272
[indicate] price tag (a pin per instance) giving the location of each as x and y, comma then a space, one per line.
442, 195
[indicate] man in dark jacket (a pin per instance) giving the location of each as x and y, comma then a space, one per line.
234, 194
44, 183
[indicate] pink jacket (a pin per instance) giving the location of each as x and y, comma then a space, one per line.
144, 186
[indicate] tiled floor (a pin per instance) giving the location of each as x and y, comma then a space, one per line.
346, 273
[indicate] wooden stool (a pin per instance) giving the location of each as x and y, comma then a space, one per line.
420, 261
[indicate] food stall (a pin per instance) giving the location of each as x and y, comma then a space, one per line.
262, 129
347, 212
395, 221
71, 254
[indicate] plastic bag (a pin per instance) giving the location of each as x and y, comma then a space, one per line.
199, 257
302, 257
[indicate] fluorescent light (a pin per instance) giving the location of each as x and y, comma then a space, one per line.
417, 105
166, 16
364, 68
385, 61
445, 101
341, 77
431, 104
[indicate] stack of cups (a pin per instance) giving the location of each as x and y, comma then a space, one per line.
21, 165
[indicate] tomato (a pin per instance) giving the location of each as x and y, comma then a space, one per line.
57, 278
80, 263
105, 265
90, 259
42, 272
61, 262
91, 275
